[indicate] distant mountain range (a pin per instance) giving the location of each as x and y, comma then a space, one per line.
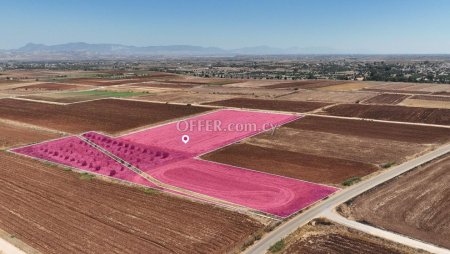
81, 50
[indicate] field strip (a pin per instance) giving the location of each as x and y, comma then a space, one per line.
246, 137
414, 243
31, 126
159, 124
375, 120
172, 103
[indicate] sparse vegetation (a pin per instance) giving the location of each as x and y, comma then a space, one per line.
86, 176
351, 181
388, 164
277, 247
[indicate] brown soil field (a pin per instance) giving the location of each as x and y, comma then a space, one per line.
62, 97
9, 82
163, 85
302, 166
305, 84
376, 130
49, 87
386, 99
426, 103
280, 105
392, 113
394, 91
101, 82
415, 204
14, 135
346, 86
413, 87
347, 147
254, 83
243, 91
327, 96
322, 236
185, 97
442, 93
109, 115
55, 211
431, 98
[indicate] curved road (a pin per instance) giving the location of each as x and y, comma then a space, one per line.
338, 198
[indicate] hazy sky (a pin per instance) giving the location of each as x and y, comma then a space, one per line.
376, 26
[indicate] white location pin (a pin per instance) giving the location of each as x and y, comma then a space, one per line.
185, 139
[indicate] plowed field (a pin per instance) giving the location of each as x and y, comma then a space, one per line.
48, 87
371, 129
328, 238
305, 84
56, 212
415, 204
392, 113
431, 98
13, 135
280, 105
302, 166
107, 115
387, 99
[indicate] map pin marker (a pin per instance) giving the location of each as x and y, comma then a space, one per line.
185, 139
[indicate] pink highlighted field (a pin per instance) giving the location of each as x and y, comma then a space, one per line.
205, 136
144, 157
76, 153
161, 153
268, 193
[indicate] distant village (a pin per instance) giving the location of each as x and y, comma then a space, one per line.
421, 69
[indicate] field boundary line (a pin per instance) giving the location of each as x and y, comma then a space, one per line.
39, 101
